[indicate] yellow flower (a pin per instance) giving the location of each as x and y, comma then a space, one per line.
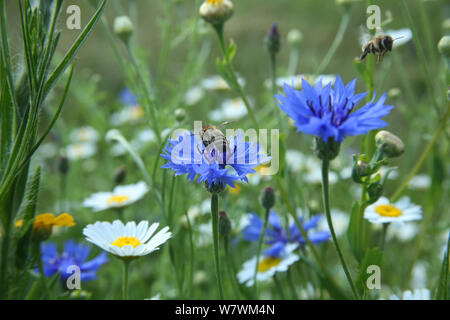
235, 190
43, 223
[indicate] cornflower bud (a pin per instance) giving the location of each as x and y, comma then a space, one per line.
272, 40
268, 198
391, 145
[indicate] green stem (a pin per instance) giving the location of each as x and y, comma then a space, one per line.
292, 212
383, 235
336, 42
273, 73
228, 65
424, 155
215, 233
231, 274
279, 287
326, 204
258, 252
126, 264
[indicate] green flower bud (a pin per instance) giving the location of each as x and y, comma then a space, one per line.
375, 191
391, 145
224, 224
268, 198
120, 175
444, 46
294, 37
63, 165
326, 150
214, 188
123, 28
360, 169
180, 115
272, 40
216, 12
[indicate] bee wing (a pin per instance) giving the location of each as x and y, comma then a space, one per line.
400, 36
225, 123
363, 36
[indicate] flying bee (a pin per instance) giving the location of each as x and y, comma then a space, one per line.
380, 44
214, 139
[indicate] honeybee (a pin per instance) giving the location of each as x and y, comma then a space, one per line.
214, 139
380, 44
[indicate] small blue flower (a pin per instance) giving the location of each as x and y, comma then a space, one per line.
128, 98
278, 237
188, 155
327, 112
73, 254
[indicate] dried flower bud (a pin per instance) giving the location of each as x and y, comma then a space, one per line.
391, 145
273, 40
294, 37
120, 175
63, 165
123, 28
444, 46
268, 198
216, 12
180, 115
224, 224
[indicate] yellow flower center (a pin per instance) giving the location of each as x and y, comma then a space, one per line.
126, 241
236, 189
268, 263
214, 1
137, 112
118, 199
387, 210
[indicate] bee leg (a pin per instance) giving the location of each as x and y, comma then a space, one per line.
378, 58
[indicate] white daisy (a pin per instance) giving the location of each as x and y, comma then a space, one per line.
121, 196
80, 150
340, 222
84, 134
420, 181
216, 82
417, 294
267, 267
194, 95
231, 109
126, 241
402, 232
295, 160
127, 114
383, 211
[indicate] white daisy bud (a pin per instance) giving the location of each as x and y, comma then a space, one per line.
216, 12
123, 28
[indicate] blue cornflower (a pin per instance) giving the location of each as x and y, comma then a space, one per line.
73, 254
278, 237
327, 112
188, 155
128, 98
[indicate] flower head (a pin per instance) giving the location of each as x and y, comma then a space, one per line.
121, 196
328, 112
279, 237
267, 266
72, 254
401, 211
188, 155
216, 12
126, 241
44, 223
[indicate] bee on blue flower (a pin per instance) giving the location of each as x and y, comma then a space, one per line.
328, 112
73, 254
278, 237
188, 155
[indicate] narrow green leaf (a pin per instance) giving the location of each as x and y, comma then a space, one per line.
442, 290
70, 54
23, 244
